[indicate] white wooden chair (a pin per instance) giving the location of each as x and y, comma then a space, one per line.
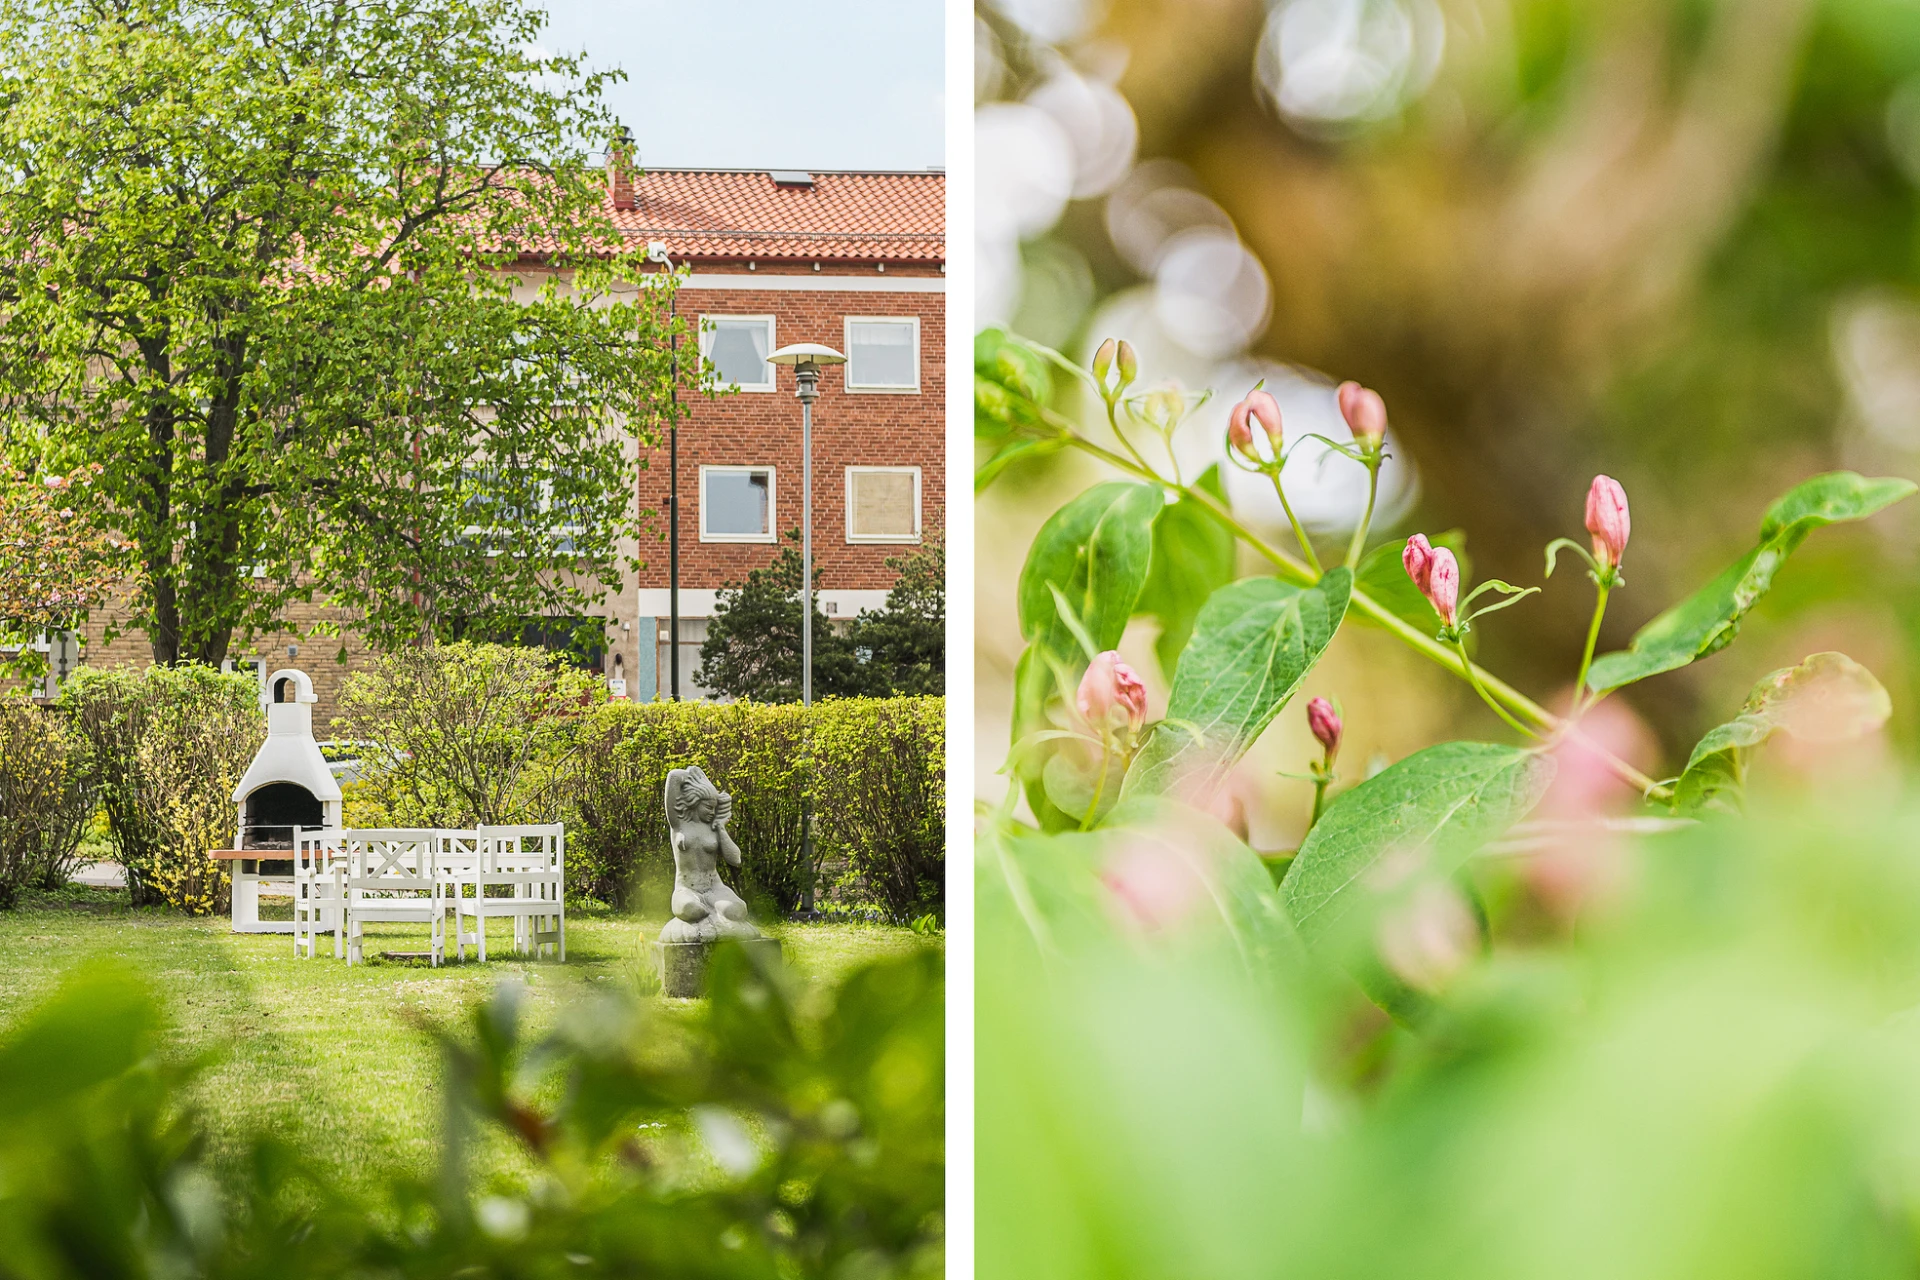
530, 861
393, 877
319, 890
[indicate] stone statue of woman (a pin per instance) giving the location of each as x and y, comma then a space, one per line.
704, 908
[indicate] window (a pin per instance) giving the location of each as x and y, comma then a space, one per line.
883, 353
736, 504
737, 348
883, 504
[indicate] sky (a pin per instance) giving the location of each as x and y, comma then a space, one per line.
768, 84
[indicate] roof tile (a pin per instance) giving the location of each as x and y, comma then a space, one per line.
723, 213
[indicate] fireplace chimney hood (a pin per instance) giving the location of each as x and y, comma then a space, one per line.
288, 784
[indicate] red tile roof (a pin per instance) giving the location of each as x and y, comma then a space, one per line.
722, 213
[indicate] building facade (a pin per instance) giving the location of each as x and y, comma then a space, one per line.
854, 261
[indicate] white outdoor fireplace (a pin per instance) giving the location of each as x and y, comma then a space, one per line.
288, 785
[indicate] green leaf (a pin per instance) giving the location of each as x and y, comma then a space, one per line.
1827, 698
1096, 552
99, 1024
1005, 360
1082, 779
1436, 806
1253, 644
1092, 1009
1384, 578
1192, 558
1025, 448
1708, 620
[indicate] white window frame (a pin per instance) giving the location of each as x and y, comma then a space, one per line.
706, 348
918, 530
773, 505
879, 389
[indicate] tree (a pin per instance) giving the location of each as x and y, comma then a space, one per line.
328, 294
904, 645
752, 649
53, 562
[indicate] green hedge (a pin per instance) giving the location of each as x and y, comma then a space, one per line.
882, 794
488, 733
875, 767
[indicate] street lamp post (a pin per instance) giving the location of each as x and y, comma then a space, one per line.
806, 359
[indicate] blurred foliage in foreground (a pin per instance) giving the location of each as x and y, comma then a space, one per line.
759, 1144
1689, 1054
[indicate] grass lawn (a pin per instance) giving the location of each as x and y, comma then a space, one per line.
334, 1057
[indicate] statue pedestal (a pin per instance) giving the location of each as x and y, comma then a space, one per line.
683, 965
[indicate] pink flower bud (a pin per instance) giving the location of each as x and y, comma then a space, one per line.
1607, 520
1418, 560
1325, 725
1129, 363
1103, 362
1111, 695
1364, 410
1443, 586
1260, 407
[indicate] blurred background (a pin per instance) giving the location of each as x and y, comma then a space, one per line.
1675, 241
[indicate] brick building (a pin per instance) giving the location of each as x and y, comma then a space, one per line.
852, 260
855, 261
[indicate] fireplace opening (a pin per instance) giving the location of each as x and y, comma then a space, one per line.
274, 810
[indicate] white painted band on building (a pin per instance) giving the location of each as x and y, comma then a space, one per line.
699, 603
817, 284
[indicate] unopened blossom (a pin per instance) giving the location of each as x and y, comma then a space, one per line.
1111, 695
1103, 362
1608, 521
1259, 407
1325, 723
1129, 363
1443, 586
1364, 410
1417, 558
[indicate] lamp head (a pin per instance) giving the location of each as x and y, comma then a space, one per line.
806, 359
800, 353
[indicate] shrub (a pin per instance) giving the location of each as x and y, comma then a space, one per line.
468, 733
46, 800
756, 752
880, 789
767, 1140
882, 777
167, 746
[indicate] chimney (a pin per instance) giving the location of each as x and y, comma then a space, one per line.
620, 169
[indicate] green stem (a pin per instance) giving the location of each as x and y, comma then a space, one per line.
1466, 667
1359, 543
1100, 788
1593, 638
1294, 571
1320, 782
1113, 421
1299, 533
